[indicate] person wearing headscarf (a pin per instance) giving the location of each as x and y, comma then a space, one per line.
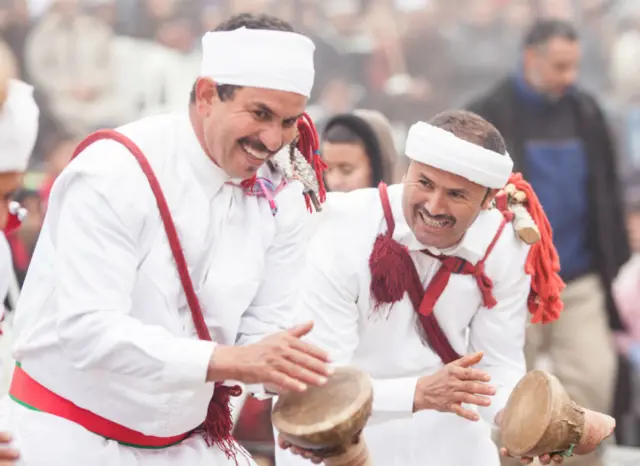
168, 266
359, 151
18, 132
426, 286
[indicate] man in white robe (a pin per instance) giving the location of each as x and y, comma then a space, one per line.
115, 363
18, 133
425, 412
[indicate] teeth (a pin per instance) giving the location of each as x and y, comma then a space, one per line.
432, 223
254, 153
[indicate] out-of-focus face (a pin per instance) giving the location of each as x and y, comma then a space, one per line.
242, 132
348, 166
10, 182
439, 206
552, 68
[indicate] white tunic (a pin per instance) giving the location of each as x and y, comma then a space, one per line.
337, 296
102, 320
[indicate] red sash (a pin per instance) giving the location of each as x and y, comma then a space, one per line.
218, 424
424, 301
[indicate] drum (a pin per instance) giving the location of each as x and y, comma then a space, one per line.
328, 420
540, 418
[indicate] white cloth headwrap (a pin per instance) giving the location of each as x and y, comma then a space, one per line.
18, 127
441, 149
267, 59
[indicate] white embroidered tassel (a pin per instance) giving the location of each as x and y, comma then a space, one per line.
524, 225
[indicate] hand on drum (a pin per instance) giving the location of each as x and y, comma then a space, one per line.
455, 384
8, 456
544, 459
282, 361
308, 454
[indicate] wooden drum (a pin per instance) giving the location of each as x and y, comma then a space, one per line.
541, 418
328, 420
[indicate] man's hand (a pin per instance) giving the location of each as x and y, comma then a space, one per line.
8, 456
282, 361
308, 454
454, 384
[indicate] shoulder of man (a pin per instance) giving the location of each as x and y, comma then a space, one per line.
509, 254
349, 221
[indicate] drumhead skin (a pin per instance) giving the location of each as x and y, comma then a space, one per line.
326, 417
540, 417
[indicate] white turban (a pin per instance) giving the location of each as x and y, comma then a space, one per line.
441, 149
18, 127
267, 59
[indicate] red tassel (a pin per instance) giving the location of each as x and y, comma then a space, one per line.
309, 146
217, 426
543, 263
390, 264
248, 183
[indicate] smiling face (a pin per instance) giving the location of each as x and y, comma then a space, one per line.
241, 130
439, 206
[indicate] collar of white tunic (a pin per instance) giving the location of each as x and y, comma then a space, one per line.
209, 175
473, 245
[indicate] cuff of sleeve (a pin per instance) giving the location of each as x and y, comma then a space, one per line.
188, 362
394, 395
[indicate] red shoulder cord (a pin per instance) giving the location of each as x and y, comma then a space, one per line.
218, 424
543, 263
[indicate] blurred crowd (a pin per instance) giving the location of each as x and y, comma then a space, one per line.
102, 63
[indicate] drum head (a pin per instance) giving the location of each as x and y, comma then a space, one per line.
528, 413
324, 414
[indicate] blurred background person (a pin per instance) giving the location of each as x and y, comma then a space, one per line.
558, 138
359, 151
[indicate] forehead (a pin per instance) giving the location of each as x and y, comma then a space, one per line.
283, 104
561, 49
344, 153
440, 178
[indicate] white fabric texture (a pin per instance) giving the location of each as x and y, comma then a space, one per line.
18, 127
441, 149
276, 60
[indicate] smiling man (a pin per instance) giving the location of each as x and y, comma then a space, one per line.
403, 281
167, 265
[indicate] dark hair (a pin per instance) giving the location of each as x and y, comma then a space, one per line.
351, 129
543, 31
471, 127
341, 133
249, 21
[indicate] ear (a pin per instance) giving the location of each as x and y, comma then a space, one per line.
489, 198
206, 94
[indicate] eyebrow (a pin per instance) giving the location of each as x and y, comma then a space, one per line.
265, 108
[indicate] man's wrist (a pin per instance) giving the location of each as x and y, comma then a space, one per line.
222, 365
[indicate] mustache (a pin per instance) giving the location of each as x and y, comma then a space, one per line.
258, 146
437, 218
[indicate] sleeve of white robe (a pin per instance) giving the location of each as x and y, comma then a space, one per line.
499, 332
330, 293
96, 270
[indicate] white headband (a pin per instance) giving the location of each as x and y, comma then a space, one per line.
441, 149
18, 127
267, 59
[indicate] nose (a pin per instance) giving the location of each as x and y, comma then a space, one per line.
436, 204
272, 138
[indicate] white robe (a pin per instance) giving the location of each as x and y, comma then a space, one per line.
102, 320
387, 346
